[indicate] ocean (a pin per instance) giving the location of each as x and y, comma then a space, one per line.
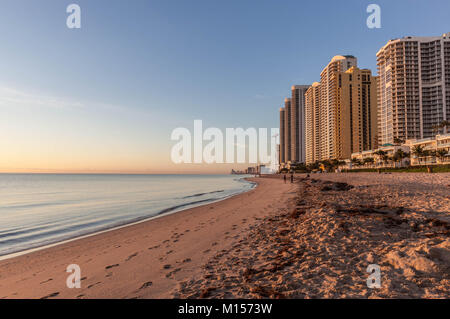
42, 209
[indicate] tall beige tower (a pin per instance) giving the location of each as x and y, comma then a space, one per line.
328, 84
298, 123
413, 88
355, 113
312, 123
341, 112
287, 131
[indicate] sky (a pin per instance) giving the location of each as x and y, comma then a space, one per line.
106, 97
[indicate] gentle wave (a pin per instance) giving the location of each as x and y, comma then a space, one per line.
201, 194
39, 210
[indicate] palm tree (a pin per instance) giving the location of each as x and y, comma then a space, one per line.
442, 125
399, 156
441, 153
313, 166
387, 159
381, 155
369, 160
356, 162
334, 163
445, 124
419, 152
428, 153
384, 157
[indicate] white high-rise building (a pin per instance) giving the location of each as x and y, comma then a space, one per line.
413, 88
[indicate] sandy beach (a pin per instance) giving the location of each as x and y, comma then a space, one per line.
339, 225
147, 260
311, 239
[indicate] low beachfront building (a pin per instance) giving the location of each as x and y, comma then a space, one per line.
430, 151
373, 159
427, 151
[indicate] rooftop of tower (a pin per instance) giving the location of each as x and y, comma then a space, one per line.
445, 36
342, 57
300, 87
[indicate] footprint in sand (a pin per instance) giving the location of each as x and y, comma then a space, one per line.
112, 266
146, 285
51, 295
46, 281
131, 256
90, 286
170, 274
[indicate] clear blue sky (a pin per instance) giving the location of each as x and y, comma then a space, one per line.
137, 69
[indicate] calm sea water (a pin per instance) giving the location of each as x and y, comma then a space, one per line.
41, 209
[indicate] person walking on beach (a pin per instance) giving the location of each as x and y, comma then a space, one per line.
284, 177
292, 178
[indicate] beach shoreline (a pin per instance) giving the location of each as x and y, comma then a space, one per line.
165, 212
158, 245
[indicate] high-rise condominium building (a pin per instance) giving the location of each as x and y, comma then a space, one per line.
282, 158
414, 87
355, 113
328, 85
298, 123
312, 123
287, 130
341, 112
